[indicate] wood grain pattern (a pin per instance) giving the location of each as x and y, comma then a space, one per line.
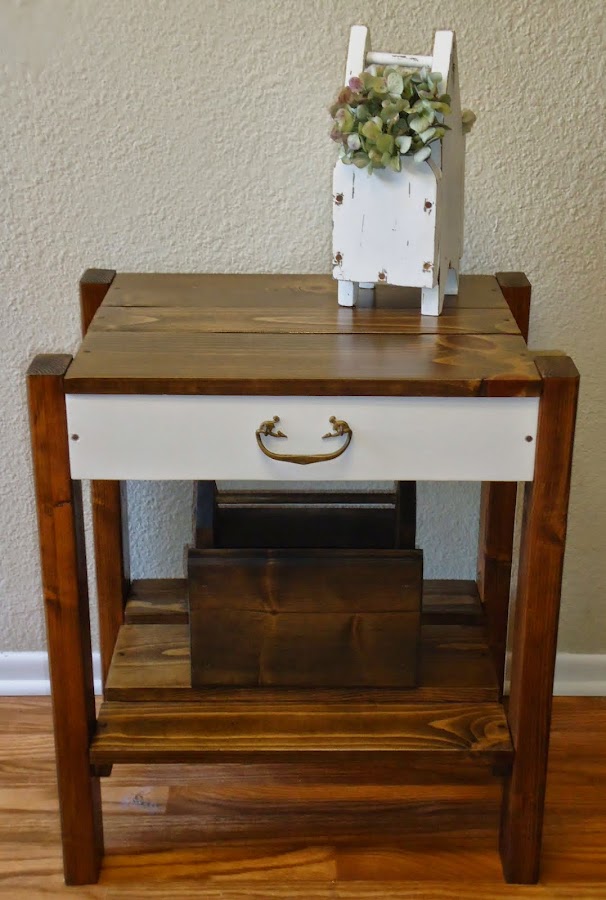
317, 316
536, 619
152, 661
217, 334
298, 291
498, 507
299, 580
361, 832
61, 535
156, 601
164, 601
304, 618
339, 365
495, 554
179, 732
110, 528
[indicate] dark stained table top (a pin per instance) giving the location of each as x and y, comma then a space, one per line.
286, 334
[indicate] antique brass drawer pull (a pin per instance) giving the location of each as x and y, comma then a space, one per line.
268, 429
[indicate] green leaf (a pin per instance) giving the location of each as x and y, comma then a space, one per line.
385, 143
443, 108
379, 85
419, 123
371, 130
422, 154
362, 113
395, 164
360, 160
426, 135
468, 118
395, 83
344, 120
403, 143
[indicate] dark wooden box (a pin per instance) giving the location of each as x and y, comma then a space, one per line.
305, 618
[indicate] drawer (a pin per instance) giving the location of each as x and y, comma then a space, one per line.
215, 437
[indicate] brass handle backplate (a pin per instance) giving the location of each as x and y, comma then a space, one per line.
268, 429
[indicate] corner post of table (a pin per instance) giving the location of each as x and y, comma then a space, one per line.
109, 508
498, 508
406, 515
63, 563
536, 619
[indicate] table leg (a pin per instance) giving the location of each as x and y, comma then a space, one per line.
406, 515
536, 620
61, 533
110, 527
497, 509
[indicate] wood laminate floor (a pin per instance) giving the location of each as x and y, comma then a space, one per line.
233, 833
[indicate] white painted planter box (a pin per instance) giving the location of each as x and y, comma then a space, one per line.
403, 228
385, 225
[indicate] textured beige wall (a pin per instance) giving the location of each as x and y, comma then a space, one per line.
192, 135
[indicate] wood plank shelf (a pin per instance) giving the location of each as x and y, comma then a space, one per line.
152, 713
228, 731
151, 660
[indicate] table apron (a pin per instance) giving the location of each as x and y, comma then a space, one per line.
178, 437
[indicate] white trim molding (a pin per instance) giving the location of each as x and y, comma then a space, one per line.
26, 674
580, 675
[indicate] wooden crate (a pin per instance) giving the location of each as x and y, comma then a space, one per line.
319, 618
320, 518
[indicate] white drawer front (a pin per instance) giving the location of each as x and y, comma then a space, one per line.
394, 438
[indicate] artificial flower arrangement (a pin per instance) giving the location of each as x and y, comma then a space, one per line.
389, 111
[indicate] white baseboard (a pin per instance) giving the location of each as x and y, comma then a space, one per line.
26, 674
580, 675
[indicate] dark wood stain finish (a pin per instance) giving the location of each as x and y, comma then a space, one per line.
94, 286
304, 364
301, 618
110, 525
254, 731
152, 658
536, 619
319, 315
307, 519
273, 334
205, 514
498, 507
298, 292
516, 289
61, 535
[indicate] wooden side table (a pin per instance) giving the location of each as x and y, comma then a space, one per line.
173, 379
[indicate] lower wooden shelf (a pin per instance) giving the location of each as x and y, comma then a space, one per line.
214, 731
151, 713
